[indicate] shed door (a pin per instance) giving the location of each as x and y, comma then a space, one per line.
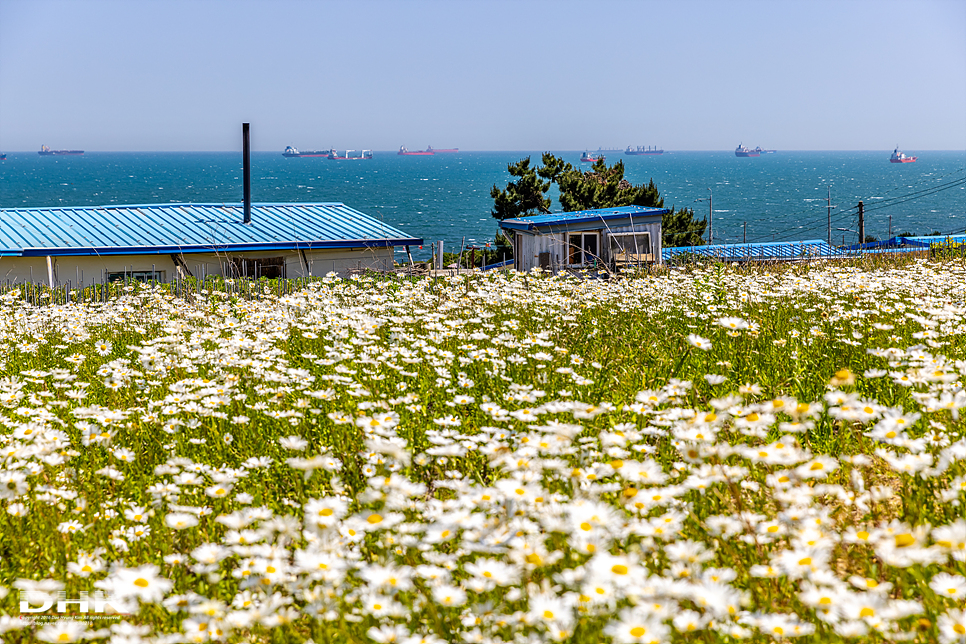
583, 248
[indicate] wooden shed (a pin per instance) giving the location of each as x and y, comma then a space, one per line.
615, 237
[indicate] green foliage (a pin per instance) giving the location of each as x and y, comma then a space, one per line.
680, 228
523, 196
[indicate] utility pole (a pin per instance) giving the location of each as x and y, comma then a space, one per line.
890, 226
710, 217
861, 223
744, 234
829, 203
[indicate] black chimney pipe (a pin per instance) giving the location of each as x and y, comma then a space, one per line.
247, 170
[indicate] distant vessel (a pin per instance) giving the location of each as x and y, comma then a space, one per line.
587, 157
416, 153
900, 157
45, 151
642, 150
366, 154
294, 152
742, 151
430, 148
3, 157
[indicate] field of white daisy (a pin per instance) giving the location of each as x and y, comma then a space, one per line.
703, 455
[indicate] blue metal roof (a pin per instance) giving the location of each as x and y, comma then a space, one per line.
190, 228
759, 251
920, 242
534, 222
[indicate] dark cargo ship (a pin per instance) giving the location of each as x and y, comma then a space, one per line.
294, 152
45, 151
642, 150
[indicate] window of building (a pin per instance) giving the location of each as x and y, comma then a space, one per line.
139, 276
268, 267
583, 248
626, 249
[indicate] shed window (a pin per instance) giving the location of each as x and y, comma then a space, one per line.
269, 267
138, 276
628, 249
583, 248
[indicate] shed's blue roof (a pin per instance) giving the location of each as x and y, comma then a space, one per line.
759, 251
534, 222
190, 228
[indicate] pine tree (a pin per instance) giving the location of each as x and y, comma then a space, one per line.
523, 196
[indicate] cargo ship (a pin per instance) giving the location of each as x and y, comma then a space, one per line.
45, 151
416, 153
335, 156
742, 151
587, 157
294, 152
642, 150
900, 157
3, 157
435, 151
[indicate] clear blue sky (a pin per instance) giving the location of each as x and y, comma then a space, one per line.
499, 75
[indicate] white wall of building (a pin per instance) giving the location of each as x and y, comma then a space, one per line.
86, 270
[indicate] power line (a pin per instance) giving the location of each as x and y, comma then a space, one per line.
918, 195
939, 178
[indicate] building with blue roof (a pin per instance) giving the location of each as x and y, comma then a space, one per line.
615, 237
85, 245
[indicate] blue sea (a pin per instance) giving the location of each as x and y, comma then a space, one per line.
774, 197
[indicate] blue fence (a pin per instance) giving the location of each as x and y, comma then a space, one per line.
757, 252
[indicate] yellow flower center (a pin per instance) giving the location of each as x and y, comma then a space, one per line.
374, 519
141, 582
904, 540
619, 569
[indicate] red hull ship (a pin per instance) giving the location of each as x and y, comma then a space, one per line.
900, 157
